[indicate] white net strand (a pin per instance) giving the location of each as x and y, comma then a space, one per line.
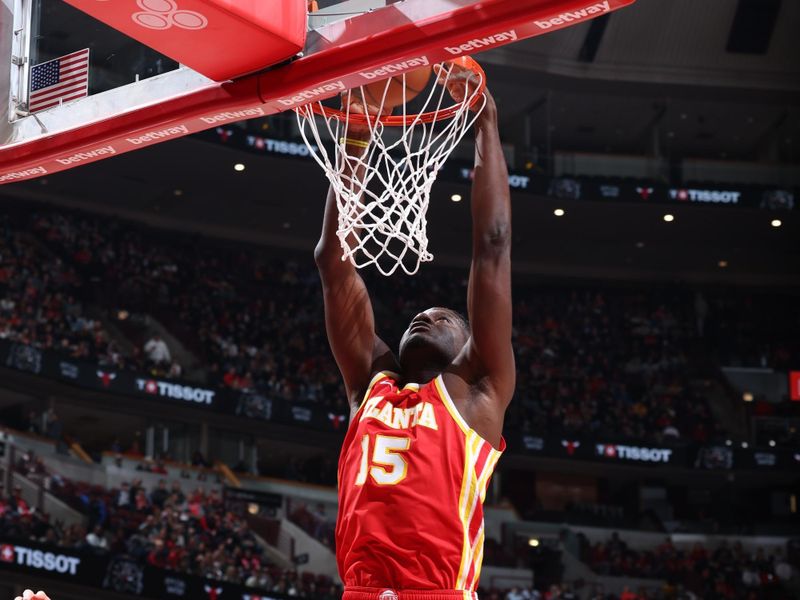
382, 214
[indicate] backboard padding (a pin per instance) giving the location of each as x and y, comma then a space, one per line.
336, 57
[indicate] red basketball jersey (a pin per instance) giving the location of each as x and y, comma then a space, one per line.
412, 479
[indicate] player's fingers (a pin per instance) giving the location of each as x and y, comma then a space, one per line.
40, 595
441, 74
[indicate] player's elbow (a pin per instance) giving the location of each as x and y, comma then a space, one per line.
495, 239
325, 255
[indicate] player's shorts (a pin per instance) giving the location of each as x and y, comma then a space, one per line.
365, 593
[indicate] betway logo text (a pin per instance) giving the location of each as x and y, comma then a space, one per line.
234, 115
37, 559
484, 42
575, 15
398, 67
23, 174
334, 86
175, 391
154, 136
88, 155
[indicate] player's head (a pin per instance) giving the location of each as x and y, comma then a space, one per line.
434, 337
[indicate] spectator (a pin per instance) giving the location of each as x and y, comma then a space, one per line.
123, 499
17, 503
96, 538
160, 494
157, 351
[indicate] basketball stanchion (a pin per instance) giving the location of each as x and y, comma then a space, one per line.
382, 211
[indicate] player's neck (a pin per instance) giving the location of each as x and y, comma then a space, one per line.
420, 373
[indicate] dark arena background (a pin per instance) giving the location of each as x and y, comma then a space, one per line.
171, 415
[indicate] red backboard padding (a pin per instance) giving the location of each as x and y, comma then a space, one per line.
337, 56
221, 39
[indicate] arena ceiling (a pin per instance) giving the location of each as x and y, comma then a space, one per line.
680, 75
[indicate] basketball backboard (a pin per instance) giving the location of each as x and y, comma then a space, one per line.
137, 96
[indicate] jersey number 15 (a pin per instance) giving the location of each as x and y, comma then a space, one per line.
388, 466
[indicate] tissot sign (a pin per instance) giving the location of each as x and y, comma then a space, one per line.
53, 562
175, 391
705, 196
627, 453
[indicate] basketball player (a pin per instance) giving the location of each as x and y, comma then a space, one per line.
426, 424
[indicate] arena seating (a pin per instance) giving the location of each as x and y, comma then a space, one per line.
591, 360
191, 533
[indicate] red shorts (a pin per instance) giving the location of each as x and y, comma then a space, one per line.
365, 593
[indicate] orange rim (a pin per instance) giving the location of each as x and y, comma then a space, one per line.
400, 120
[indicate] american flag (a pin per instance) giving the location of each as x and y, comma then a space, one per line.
59, 80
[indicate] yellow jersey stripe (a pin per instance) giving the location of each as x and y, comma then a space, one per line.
478, 561
375, 379
466, 480
450, 406
471, 500
488, 469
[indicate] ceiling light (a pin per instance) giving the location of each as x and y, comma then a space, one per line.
669, 218
559, 212
238, 167
776, 222
728, 442
722, 264
533, 542
456, 197
772, 443
744, 444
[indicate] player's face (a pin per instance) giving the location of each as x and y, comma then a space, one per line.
439, 333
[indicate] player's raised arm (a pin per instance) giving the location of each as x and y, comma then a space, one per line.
489, 353
349, 320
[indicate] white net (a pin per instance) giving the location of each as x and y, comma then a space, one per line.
383, 207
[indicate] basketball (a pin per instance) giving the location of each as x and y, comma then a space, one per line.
415, 82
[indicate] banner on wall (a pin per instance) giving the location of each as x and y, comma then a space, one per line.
566, 187
253, 405
47, 363
119, 573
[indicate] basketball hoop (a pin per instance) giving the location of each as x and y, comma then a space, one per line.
382, 214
